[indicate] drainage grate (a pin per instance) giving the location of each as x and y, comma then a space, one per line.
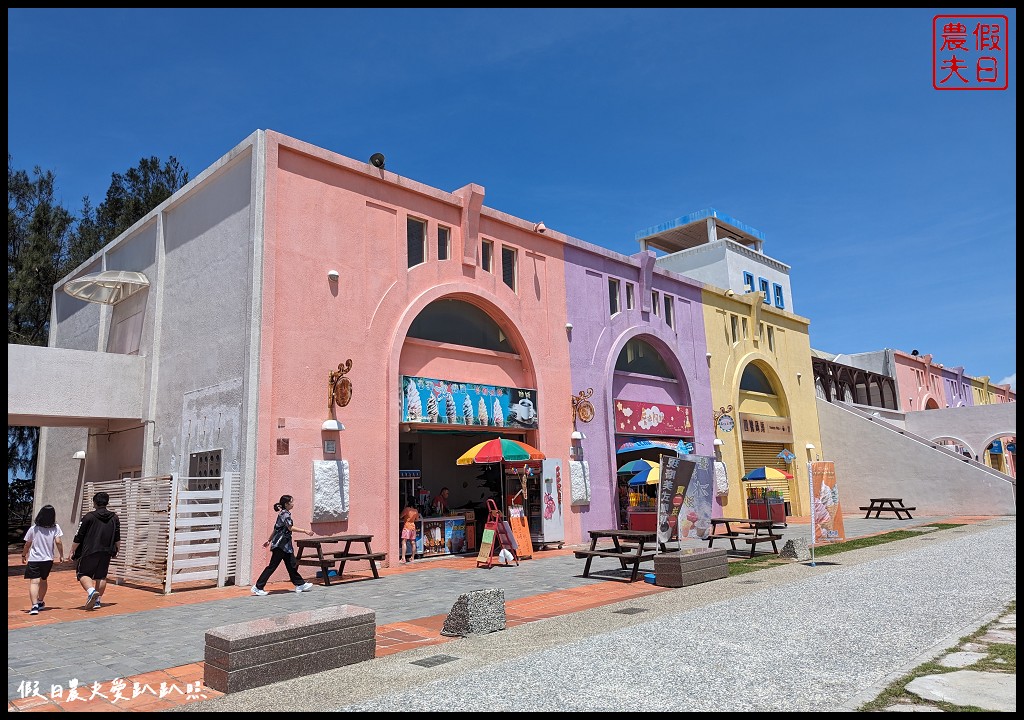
434, 660
629, 611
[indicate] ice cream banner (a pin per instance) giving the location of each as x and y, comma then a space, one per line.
826, 517
641, 418
695, 513
676, 473
446, 402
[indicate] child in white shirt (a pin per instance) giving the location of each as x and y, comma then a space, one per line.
40, 541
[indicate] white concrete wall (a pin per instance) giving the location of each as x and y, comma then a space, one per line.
723, 263
976, 426
874, 460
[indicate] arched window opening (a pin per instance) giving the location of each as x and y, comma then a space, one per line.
459, 323
640, 357
754, 380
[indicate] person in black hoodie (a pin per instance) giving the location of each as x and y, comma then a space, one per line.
97, 541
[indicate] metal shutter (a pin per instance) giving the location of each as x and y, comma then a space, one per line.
757, 454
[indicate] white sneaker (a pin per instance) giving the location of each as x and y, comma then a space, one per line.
91, 598
256, 591
304, 588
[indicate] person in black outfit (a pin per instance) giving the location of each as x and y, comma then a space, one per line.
280, 544
97, 541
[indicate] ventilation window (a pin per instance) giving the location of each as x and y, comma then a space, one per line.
416, 236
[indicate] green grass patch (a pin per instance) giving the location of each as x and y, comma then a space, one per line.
871, 541
1000, 657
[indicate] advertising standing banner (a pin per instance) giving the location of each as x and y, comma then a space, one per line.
826, 515
676, 473
695, 513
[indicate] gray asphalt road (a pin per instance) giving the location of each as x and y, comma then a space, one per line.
793, 637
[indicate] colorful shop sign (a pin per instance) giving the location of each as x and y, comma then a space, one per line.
765, 428
641, 418
446, 402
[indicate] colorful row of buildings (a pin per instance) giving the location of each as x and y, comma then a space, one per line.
297, 322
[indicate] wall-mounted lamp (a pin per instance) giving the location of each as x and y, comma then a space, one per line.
540, 227
333, 275
809, 446
332, 425
719, 442
799, 375
577, 435
729, 293
80, 455
708, 356
568, 326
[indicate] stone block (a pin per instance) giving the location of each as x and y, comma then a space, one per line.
251, 654
795, 549
476, 613
690, 567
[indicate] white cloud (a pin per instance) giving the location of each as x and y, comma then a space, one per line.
1011, 380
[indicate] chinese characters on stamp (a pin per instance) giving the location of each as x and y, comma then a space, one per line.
970, 52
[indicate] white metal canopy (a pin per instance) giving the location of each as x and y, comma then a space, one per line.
108, 287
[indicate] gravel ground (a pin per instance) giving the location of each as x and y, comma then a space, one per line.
791, 637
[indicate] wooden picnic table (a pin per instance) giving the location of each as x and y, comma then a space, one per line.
325, 559
888, 504
627, 547
751, 531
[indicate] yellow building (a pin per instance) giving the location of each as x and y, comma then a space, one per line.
762, 389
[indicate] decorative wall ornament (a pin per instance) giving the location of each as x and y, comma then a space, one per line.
582, 408
339, 387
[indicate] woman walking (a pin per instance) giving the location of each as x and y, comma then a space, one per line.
40, 541
280, 544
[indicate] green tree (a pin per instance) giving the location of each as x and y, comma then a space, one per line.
38, 233
130, 196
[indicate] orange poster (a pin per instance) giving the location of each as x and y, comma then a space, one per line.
826, 516
520, 531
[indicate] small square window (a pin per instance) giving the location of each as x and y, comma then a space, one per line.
444, 242
745, 331
779, 302
613, 295
669, 312
656, 302
416, 236
771, 339
630, 302
765, 290
510, 267
748, 281
734, 325
486, 254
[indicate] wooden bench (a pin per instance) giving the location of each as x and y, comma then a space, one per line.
758, 531
325, 559
893, 505
633, 553
254, 653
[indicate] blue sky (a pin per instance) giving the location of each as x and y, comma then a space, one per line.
894, 203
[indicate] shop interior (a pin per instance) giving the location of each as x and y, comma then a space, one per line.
638, 503
433, 454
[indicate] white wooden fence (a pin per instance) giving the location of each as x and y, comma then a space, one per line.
197, 542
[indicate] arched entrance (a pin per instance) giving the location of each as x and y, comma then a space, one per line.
765, 430
652, 414
465, 377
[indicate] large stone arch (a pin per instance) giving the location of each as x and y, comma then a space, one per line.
522, 339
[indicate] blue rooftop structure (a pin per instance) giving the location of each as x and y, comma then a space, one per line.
694, 229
